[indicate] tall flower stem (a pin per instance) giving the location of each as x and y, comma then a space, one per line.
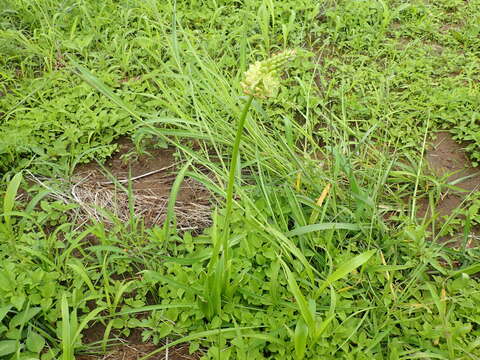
262, 81
231, 175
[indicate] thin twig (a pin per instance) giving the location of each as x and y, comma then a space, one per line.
137, 177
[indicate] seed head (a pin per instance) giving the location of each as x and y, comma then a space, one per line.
261, 78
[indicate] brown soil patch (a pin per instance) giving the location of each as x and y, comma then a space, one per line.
131, 351
447, 27
403, 43
152, 176
133, 348
445, 157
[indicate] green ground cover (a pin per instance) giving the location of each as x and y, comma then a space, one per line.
355, 276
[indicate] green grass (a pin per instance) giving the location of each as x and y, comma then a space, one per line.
354, 276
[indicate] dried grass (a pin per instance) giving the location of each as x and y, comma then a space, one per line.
106, 203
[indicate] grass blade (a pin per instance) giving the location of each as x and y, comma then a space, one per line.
321, 227
172, 199
300, 339
300, 299
100, 86
346, 268
10, 195
67, 353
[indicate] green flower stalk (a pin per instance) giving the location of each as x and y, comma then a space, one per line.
261, 81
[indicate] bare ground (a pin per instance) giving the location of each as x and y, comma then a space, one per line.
133, 348
446, 158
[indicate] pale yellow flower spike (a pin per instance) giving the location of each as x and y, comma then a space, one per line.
261, 78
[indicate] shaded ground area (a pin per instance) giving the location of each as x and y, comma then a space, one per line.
151, 176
